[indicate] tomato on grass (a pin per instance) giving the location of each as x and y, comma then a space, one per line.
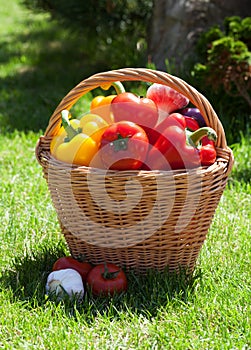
106, 280
68, 262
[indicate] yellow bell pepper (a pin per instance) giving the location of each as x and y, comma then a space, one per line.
101, 105
61, 135
79, 150
79, 140
93, 125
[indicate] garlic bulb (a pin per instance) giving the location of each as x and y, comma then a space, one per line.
65, 282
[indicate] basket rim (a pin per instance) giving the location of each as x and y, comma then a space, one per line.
139, 74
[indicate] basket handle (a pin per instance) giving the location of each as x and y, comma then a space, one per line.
139, 74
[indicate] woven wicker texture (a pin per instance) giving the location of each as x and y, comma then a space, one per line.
136, 219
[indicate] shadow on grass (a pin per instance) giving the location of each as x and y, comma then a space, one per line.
146, 294
28, 274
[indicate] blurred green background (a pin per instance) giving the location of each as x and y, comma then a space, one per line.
47, 47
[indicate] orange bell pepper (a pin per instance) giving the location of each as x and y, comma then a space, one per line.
101, 105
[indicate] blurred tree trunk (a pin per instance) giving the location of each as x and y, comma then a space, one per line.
177, 24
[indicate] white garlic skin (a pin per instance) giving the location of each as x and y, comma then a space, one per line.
67, 281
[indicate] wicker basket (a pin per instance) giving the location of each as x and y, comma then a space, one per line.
136, 219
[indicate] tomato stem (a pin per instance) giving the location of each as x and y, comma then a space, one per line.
108, 275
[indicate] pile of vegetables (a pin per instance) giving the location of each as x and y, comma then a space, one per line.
71, 277
127, 132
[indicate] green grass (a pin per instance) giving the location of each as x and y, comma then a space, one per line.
209, 310
40, 63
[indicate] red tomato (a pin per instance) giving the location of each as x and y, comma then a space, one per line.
142, 111
124, 146
67, 262
107, 279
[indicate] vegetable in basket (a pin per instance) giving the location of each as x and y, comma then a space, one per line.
101, 105
124, 146
172, 119
195, 121
207, 136
78, 145
194, 114
176, 149
139, 110
191, 123
167, 99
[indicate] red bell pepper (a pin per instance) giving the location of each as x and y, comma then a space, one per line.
124, 146
207, 136
174, 149
186, 121
191, 123
140, 110
173, 119
207, 151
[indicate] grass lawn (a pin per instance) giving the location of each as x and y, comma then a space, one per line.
209, 310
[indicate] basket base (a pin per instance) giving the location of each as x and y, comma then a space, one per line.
139, 260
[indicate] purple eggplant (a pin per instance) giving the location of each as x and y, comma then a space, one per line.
195, 114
